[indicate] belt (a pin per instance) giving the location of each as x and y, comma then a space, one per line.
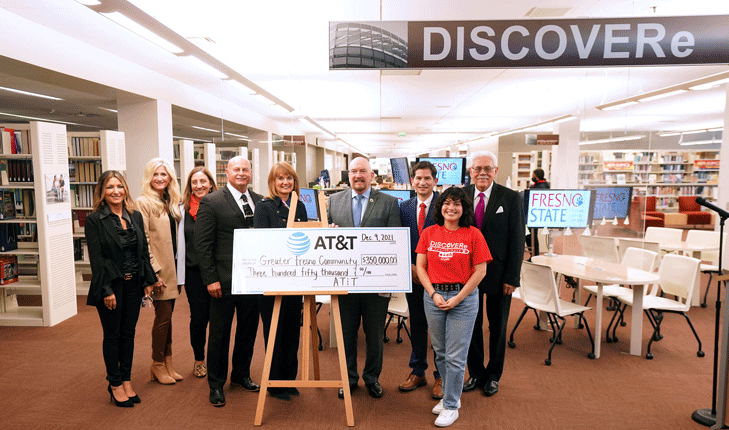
129, 276
448, 287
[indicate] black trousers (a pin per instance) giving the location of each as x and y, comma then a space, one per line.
371, 309
497, 313
199, 300
222, 310
285, 361
418, 333
119, 327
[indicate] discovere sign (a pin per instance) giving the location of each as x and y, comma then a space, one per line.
547, 43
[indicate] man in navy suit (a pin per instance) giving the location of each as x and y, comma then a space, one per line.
499, 216
416, 214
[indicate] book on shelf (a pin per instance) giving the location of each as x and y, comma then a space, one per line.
7, 204
8, 237
8, 269
79, 219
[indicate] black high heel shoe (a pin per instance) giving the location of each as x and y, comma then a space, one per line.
135, 399
125, 404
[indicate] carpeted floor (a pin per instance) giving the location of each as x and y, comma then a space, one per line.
53, 378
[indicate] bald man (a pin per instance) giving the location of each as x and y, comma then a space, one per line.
361, 206
220, 213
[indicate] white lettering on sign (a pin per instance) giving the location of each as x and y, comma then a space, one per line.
551, 41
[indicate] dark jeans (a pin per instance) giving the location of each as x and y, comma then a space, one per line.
199, 299
119, 327
222, 310
419, 333
371, 309
497, 313
285, 361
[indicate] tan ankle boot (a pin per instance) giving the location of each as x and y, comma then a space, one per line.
159, 373
171, 370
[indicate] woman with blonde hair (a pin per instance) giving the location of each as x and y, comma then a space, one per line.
159, 205
199, 183
273, 212
120, 275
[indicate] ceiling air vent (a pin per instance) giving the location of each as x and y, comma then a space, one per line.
548, 12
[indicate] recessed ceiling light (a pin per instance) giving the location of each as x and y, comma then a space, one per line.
27, 93
206, 129
443, 106
548, 12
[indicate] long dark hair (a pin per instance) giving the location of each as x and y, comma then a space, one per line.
100, 190
457, 195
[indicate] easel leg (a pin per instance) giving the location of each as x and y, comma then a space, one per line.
267, 362
342, 361
306, 351
313, 336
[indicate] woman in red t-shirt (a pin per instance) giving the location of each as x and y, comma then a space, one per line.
452, 258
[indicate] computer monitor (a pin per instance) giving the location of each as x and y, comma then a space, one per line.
560, 208
400, 170
345, 176
451, 170
400, 195
612, 202
309, 198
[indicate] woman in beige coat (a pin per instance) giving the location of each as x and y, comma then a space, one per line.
159, 206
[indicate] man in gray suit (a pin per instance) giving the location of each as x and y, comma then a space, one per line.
363, 207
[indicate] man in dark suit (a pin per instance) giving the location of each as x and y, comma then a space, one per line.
416, 214
220, 213
363, 207
499, 216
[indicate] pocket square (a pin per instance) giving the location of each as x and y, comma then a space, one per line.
499, 210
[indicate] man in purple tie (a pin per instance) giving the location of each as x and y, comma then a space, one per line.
499, 216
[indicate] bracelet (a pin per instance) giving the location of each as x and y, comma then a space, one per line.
434, 293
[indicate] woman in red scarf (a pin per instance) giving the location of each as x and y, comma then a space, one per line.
200, 182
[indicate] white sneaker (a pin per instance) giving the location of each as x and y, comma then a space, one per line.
437, 409
446, 418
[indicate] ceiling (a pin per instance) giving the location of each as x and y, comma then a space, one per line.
282, 46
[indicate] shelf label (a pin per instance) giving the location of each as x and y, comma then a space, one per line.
617, 165
706, 164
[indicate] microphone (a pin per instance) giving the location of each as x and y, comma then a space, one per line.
703, 202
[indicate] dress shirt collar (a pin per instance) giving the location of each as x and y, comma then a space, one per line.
486, 194
366, 194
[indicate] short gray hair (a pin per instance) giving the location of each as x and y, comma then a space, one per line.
483, 153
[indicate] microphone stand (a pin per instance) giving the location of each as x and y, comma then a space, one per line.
707, 417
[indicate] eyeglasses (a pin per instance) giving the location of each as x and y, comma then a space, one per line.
487, 169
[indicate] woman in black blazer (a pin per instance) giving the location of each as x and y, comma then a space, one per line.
273, 212
200, 183
120, 268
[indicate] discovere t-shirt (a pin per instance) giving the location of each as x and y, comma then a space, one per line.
452, 254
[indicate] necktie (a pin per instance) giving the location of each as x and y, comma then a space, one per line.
480, 209
357, 212
247, 211
421, 218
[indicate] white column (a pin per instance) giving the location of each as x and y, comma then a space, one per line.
147, 126
262, 164
566, 155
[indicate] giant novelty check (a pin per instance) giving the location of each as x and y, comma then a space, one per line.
361, 260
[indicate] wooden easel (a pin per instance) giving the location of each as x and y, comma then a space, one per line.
310, 348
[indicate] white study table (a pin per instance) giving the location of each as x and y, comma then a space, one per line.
604, 272
692, 250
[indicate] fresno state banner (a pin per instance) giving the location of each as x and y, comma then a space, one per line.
529, 43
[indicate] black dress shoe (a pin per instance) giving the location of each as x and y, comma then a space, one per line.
217, 398
340, 392
375, 389
491, 388
279, 393
246, 383
471, 384
135, 399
